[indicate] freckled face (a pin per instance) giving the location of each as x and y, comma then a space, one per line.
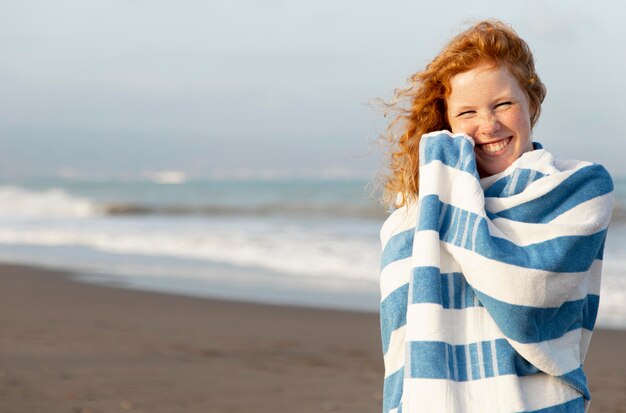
488, 104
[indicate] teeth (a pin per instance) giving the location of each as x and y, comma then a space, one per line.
496, 146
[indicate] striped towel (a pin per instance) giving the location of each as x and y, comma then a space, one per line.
490, 287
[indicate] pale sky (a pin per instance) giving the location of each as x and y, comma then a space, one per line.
272, 88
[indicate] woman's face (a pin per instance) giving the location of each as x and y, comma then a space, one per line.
487, 103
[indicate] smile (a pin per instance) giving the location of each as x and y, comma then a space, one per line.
495, 146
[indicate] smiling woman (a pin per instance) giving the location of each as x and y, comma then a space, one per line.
488, 104
448, 84
491, 261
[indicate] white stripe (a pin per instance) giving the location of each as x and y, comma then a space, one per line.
523, 234
531, 177
394, 276
465, 229
466, 162
587, 214
447, 263
460, 159
458, 226
495, 394
426, 249
494, 358
555, 357
407, 357
525, 286
450, 280
442, 213
481, 359
584, 343
579, 221
453, 222
475, 233
469, 325
448, 372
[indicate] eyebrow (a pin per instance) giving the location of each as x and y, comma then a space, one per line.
464, 108
499, 99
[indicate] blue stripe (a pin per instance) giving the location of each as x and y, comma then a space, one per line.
430, 286
573, 406
473, 351
392, 390
587, 183
444, 281
456, 152
461, 362
501, 188
559, 254
433, 360
450, 362
398, 247
430, 212
488, 358
600, 255
468, 296
590, 311
393, 313
428, 360
427, 285
533, 324
523, 367
510, 362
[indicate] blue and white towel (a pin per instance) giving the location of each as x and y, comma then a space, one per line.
490, 287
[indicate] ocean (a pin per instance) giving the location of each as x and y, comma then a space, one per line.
294, 242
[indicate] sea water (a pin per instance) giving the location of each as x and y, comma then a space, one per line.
299, 241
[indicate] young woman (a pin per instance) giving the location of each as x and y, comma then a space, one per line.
491, 261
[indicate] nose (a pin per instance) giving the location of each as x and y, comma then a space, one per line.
488, 124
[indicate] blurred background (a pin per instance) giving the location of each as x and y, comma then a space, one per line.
229, 148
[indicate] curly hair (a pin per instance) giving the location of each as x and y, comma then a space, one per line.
421, 106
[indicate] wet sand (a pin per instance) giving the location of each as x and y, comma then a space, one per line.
67, 346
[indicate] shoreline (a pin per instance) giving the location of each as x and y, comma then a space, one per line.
68, 345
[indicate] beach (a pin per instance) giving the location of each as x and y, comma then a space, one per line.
69, 346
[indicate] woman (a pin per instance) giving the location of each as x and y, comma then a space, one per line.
491, 261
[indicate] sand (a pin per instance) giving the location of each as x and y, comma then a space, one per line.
67, 346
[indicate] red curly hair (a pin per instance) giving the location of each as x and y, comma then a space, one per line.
421, 107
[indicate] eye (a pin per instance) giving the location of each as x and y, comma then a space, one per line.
503, 105
466, 114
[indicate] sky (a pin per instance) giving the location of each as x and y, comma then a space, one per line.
271, 88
